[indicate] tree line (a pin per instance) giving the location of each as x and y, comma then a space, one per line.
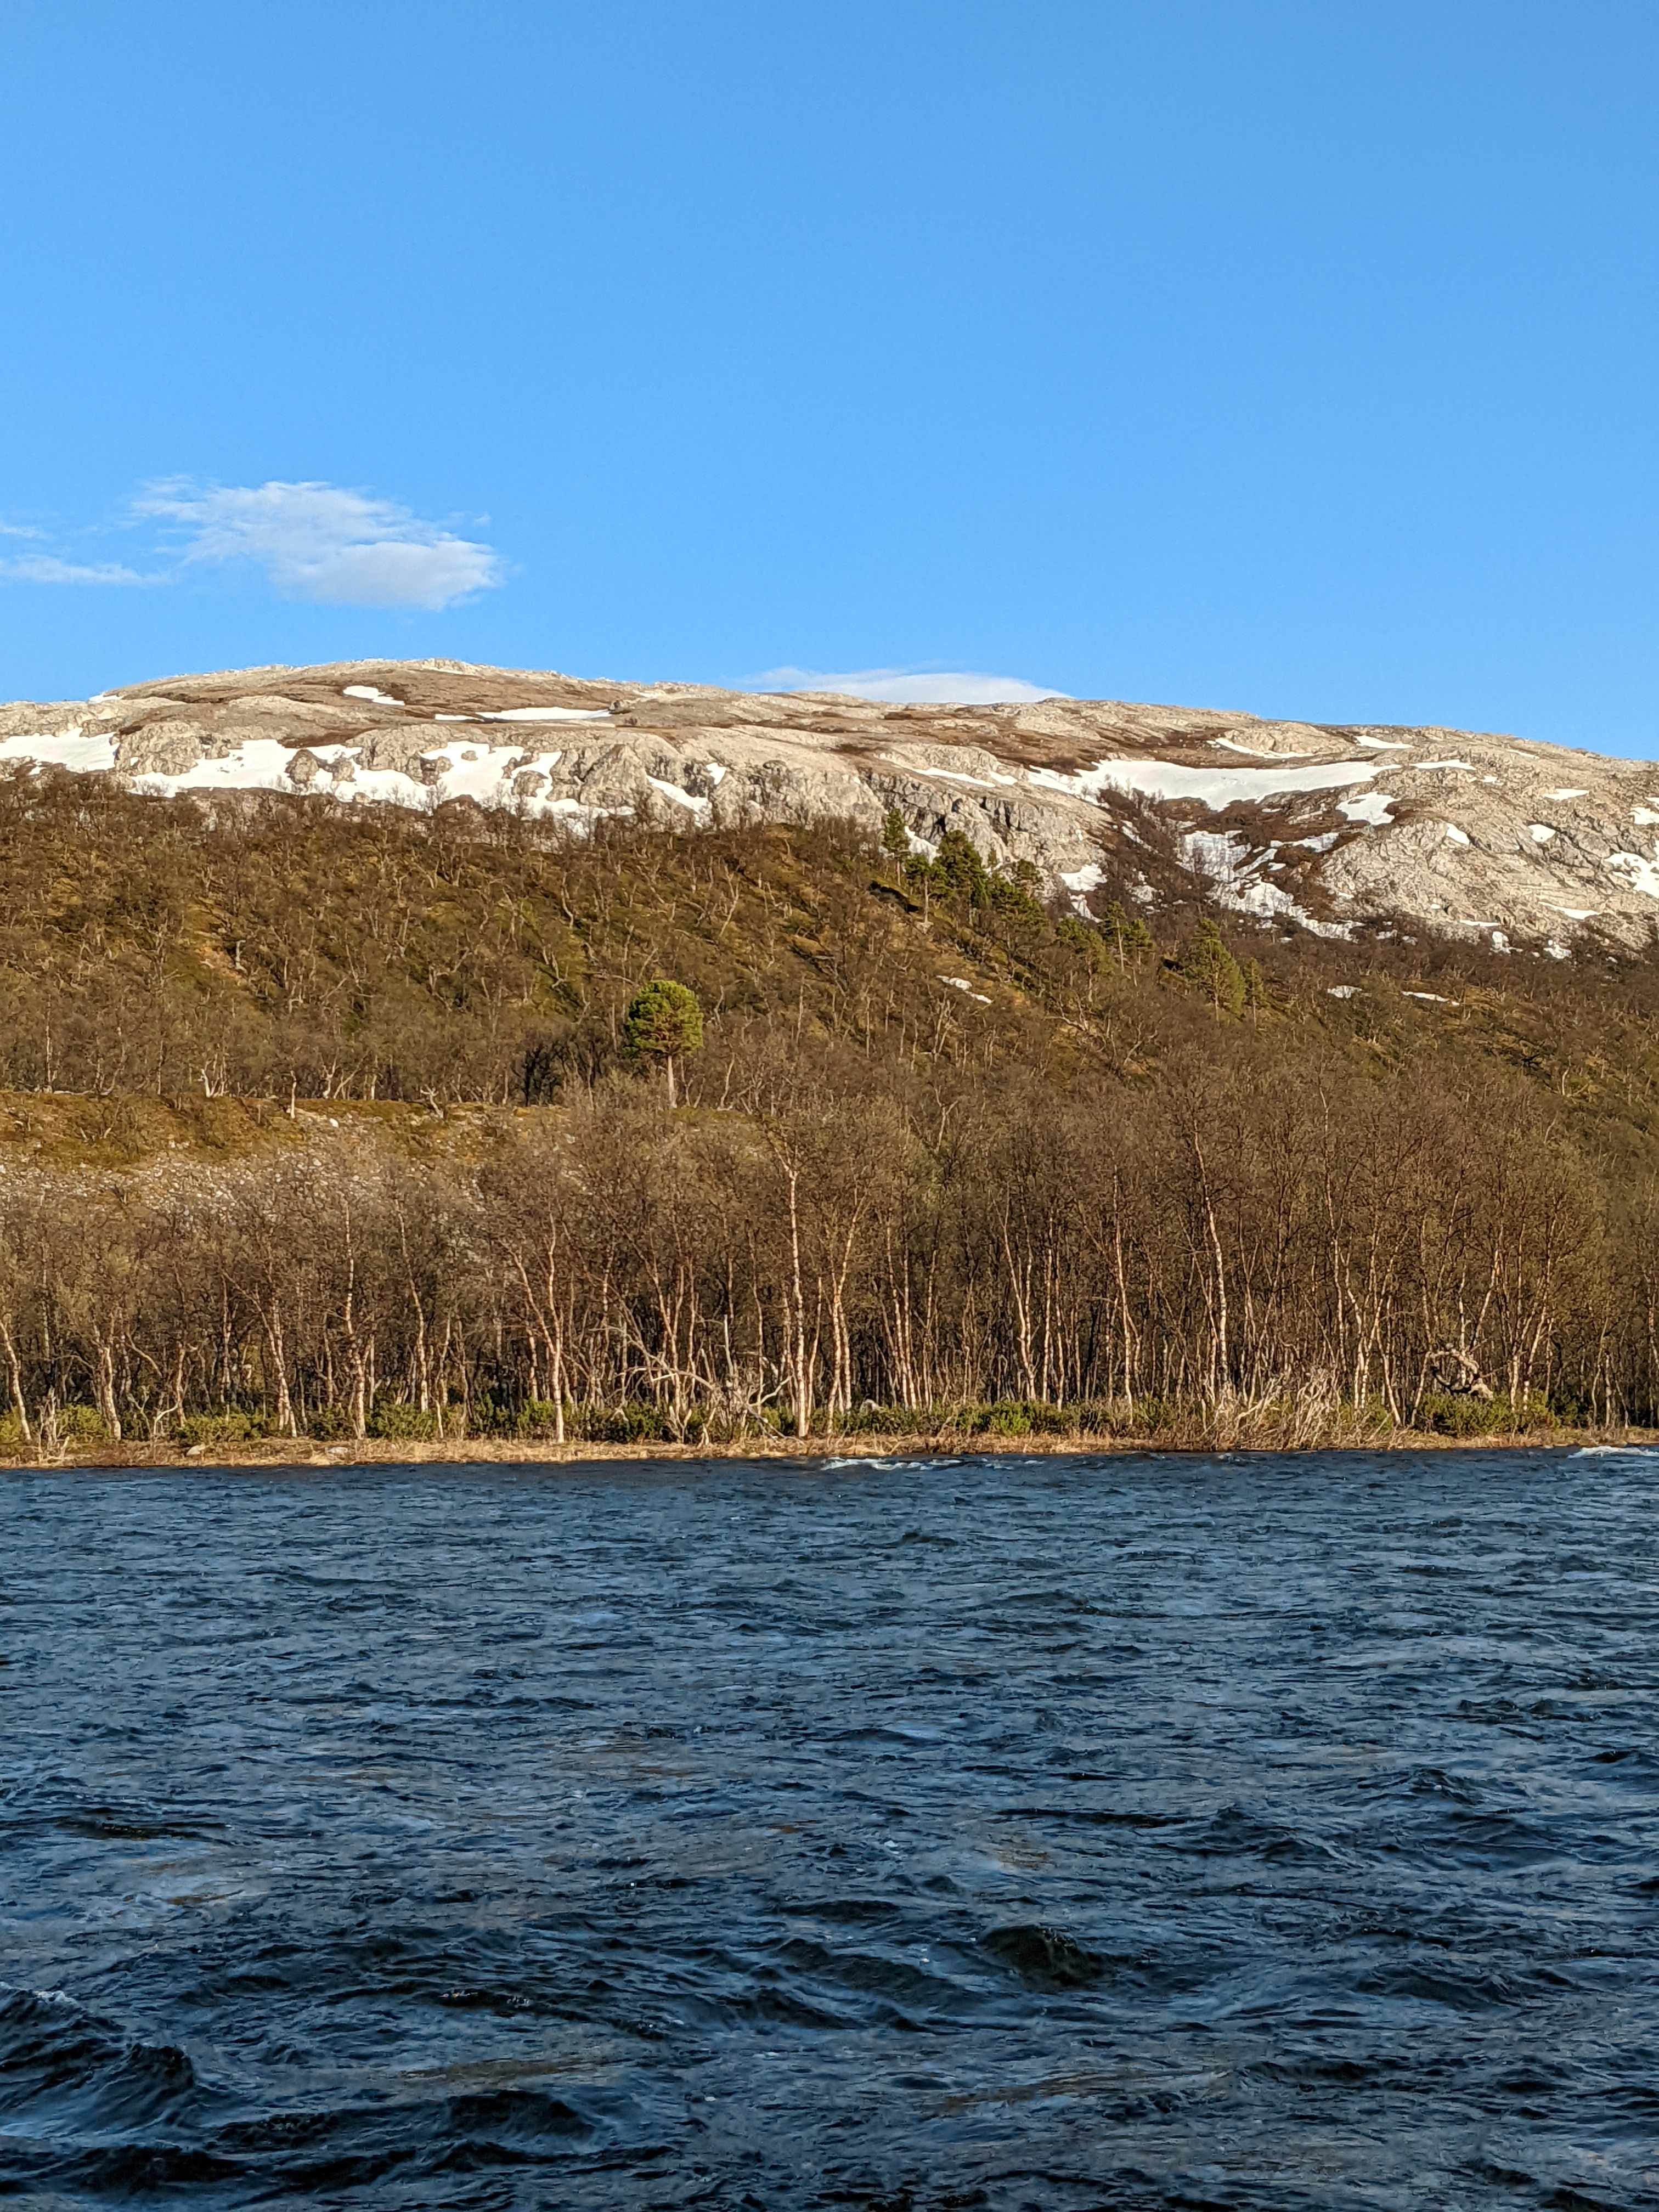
1268, 1248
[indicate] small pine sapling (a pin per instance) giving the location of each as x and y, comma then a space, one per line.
895, 841
1131, 938
1208, 965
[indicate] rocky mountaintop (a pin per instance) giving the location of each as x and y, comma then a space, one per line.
1343, 831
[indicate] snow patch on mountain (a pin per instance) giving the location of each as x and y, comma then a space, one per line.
1097, 795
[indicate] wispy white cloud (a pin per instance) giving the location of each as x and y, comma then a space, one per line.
47, 568
909, 687
316, 542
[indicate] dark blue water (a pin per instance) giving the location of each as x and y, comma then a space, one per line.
1129, 1833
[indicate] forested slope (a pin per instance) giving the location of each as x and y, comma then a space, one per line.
323, 1121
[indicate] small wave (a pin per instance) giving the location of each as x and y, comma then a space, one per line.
86, 2071
1233, 1833
1459, 1991
1044, 1959
888, 1463
1420, 1781
1615, 1451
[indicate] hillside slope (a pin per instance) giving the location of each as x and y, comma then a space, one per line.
258, 945
321, 1119
1346, 832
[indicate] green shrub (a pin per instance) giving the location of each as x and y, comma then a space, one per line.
1003, 1417
1486, 1417
81, 1424
1154, 1415
870, 1420
1101, 1416
482, 1417
404, 1423
1026, 1416
638, 1422
643, 1424
1014, 1417
232, 1426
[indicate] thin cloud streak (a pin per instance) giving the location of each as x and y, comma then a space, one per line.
47, 569
909, 687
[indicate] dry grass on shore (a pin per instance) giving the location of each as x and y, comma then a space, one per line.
473, 1451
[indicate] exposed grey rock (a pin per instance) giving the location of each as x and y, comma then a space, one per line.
400, 746
27, 720
168, 747
1297, 824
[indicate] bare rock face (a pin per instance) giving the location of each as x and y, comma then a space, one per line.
24, 720
170, 746
1303, 826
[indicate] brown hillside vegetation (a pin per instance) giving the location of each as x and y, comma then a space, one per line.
323, 1122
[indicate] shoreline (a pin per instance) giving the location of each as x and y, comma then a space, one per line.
375, 1451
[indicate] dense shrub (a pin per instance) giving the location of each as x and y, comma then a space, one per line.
230, 1427
1499, 1415
403, 1423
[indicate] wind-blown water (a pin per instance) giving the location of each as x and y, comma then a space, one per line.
1127, 1832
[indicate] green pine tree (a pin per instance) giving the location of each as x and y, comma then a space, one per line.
663, 1022
1015, 902
1131, 940
1208, 965
963, 871
896, 841
924, 876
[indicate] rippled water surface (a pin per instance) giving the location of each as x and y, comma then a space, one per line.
1127, 1832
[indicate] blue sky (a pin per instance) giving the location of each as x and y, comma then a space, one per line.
1290, 357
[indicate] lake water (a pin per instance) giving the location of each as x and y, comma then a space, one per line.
1121, 1832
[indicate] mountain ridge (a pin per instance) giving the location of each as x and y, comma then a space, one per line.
1343, 830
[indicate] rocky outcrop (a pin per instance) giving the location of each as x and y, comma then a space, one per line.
1301, 825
